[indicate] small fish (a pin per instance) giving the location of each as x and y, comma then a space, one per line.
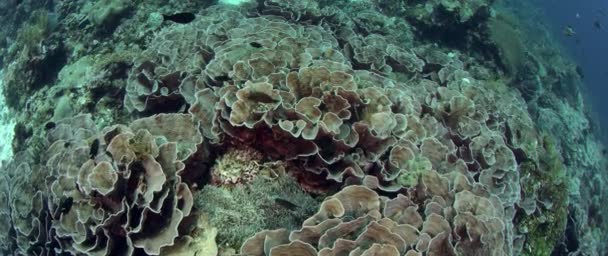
579, 71
255, 45
284, 203
569, 31
578, 16
597, 24
94, 149
182, 17
64, 207
50, 125
222, 78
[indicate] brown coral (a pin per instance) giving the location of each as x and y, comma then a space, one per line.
25, 219
358, 221
292, 92
115, 197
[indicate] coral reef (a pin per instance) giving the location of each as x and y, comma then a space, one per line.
554, 93
552, 193
101, 188
242, 211
357, 220
25, 220
348, 123
503, 33
237, 166
235, 125
199, 242
435, 12
97, 184
106, 13
20, 14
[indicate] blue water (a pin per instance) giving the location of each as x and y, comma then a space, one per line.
588, 47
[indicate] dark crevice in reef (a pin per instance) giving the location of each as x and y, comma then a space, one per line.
22, 133
46, 68
449, 32
109, 26
570, 241
165, 105
470, 36
38, 71
117, 71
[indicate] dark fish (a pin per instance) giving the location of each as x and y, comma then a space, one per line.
569, 31
287, 204
255, 44
579, 71
64, 207
597, 24
182, 17
222, 78
94, 149
49, 125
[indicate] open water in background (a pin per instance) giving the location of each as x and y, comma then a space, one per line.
588, 47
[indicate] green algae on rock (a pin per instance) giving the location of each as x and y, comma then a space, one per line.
546, 183
241, 211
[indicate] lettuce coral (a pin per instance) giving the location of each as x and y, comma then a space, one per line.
25, 219
292, 92
357, 220
428, 147
100, 190
96, 184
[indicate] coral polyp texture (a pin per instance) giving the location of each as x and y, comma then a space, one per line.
115, 181
221, 134
358, 221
